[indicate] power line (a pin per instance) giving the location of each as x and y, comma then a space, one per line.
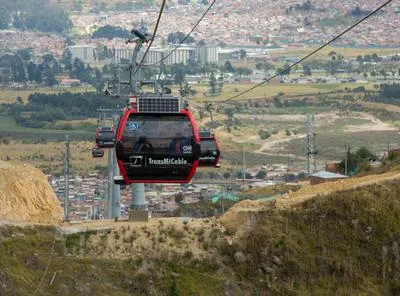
152, 38
187, 35
310, 54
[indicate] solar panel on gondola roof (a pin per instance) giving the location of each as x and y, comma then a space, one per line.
153, 104
205, 134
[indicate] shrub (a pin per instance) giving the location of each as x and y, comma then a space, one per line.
264, 134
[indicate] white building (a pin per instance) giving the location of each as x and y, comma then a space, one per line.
203, 54
86, 53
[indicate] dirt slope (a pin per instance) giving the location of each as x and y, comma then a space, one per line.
26, 195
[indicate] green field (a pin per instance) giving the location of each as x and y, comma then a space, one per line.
8, 126
8, 95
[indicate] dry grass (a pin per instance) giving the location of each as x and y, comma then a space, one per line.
267, 91
49, 156
347, 52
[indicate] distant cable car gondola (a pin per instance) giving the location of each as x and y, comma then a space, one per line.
157, 142
97, 152
209, 150
105, 137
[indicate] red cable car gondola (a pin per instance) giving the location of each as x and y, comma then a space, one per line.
209, 150
97, 152
105, 137
157, 147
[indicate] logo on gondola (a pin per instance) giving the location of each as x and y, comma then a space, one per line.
187, 149
133, 126
136, 161
168, 161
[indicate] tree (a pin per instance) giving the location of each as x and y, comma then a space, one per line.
178, 37
268, 66
111, 32
178, 70
209, 107
259, 66
264, 134
242, 54
364, 154
49, 77
277, 102
50, 18
179, 197
226, 175
229, 112
286, 72
261, 174
220, 82
213, 84
306, 70
228, 67
20, 73
67, 60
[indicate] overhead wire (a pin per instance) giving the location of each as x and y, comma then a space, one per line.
152, 37
187, 35
183, 40
308, 55
48, 262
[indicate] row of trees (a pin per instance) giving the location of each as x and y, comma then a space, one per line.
38, 15
42, 108
21, 68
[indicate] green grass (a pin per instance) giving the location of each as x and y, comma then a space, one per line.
329, 245
8, 95
10, 127
23, 261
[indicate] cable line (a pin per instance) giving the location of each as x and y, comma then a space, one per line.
152, 38
187, 35
309, 55
48, 262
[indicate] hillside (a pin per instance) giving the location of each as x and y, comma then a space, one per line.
26, 195
343, 243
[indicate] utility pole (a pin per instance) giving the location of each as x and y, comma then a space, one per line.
345, 158
221, 198
113, 198
116, 190
108, 212
244, 169
310, 143
66, 177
